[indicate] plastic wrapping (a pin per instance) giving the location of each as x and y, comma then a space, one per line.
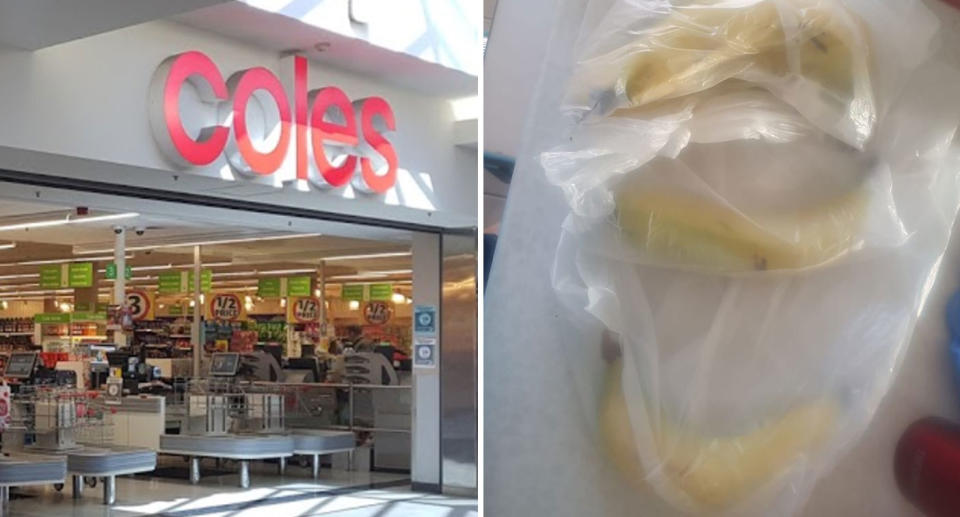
753, 232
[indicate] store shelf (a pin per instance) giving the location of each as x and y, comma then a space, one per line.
180, 336
151, 331
89, 337
11, 334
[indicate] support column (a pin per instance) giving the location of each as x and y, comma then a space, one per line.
194, 470
197, 311
322, 288
316, 466
109, 490
77, 486
120, 259
244, 473
425, 448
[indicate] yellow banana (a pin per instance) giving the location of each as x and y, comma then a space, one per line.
713, 472
697, 48
686, 230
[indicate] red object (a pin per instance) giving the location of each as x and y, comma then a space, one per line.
927, 466
955, 3
341, 130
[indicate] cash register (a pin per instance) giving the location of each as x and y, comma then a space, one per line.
225, 364
25, 368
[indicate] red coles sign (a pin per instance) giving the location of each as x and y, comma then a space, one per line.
319, 120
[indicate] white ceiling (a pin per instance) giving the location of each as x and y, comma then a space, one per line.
62, 242
36, 24
284, 34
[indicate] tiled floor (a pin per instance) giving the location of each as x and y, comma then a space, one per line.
335, 494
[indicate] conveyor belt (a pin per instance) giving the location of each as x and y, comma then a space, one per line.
317, 442
32, 469
93, 461
233, 446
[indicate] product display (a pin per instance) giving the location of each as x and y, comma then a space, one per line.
740, 177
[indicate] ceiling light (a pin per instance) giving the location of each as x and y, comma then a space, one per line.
283, 302
67, 220
398, 298
213, 242
354, 305
8, 246
62, 261
287, 271
368, 256
65, 307
366, 276
4, 304
21, 275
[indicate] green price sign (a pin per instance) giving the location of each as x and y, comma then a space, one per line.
51, 277
176, 310
269, 288
111, 273
381, 292
298, 286
206, 281
182, 282
81, 275
352, 292
170, 283
52, 318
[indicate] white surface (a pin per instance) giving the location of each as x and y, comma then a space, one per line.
425, 443
540, 460
139, 428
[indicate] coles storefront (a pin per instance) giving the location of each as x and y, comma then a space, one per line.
230, 197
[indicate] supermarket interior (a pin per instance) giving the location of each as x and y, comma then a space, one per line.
285, 363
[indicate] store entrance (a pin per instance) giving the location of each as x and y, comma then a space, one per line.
298, 326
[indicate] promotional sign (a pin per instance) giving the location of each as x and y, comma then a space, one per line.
225, 307
352, 292
53, 318
51, 277
425, 319
383, 292
303, 310
299, 286
111, 272
377, 313
269, 288
170, 283
343, 136
66, 275
179, 282
80, 275
141, 304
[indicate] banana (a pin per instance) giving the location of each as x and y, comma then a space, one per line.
699, 47
687, 230
714, 472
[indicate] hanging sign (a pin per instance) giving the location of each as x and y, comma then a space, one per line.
382, 292
111, 271
141, 304
80, 275
299, 286
269, 288
377, 313
352, 292
179, 282
225, 307
303, 310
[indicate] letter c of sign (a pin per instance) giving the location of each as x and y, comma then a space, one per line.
201, 72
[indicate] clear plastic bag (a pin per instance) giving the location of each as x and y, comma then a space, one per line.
751, 262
